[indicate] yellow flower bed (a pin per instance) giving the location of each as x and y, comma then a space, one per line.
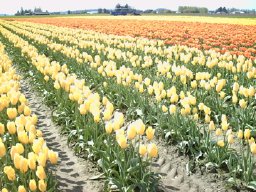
23, 151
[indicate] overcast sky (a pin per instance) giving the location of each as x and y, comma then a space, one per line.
11, 6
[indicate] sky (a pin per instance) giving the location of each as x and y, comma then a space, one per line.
11, 6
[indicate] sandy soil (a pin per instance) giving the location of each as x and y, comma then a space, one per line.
176, 176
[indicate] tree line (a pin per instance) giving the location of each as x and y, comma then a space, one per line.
188, 9
29, 11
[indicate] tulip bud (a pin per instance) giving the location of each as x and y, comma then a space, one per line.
211, 126
253, 148
2, 129
40, 173
150, 133
221, 143
152, 150
12, 113
172, 109
10, 172
42, 185
122, 141
27, 111
218, 132
164, 108
131, 132
143, 150
2, 150
11, 127
247, 133
21, 189
230, 139
32, 185
240, 134
53, 157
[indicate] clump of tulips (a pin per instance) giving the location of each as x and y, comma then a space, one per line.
24, 154
124, 153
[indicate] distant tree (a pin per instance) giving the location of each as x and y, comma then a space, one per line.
38, 10
105, 11
188, 9
69, 12
219, 10
149, 11
22, 11
203, 10
224, 10
100, 10
28, 12
118, 6
18, 13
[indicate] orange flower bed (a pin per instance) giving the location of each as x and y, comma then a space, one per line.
237, 39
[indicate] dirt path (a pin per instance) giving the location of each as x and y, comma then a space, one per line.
72, 172
176, 175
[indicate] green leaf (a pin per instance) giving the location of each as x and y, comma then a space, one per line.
252, 185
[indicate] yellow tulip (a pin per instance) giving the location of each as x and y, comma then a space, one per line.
12, 113
4, 190
10, 172
53, 157
247, 133
11, 127
46, 78
240, 134
164, 108
143, 150
172, 109
109, 128
230, 139
211, 126
220, 143
23, 137
20, 148
253, 148
2, 150
207, 118
242, 103
24, 165
42, 185
224, 125
140, 127
122, 141
32, 185
218, 132
152, 150
41, 159
40, 173
150, 133
251, 140
31, 163
27, 111
107, 115
131, 131
2, 129
17, 160
21, 189
39, 133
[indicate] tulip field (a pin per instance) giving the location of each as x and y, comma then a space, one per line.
123, 91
